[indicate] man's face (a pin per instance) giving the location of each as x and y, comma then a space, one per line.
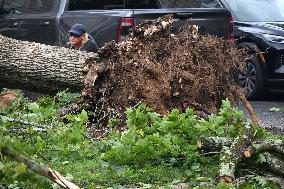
75, 39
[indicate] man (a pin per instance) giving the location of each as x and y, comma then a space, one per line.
81, 40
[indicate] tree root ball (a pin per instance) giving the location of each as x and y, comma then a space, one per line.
163, 70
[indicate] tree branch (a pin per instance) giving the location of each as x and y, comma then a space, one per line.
42, 170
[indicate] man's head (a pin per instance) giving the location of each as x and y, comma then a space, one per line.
76, 35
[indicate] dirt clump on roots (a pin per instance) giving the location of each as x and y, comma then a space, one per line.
162, 70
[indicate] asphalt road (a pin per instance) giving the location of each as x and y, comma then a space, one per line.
271, 119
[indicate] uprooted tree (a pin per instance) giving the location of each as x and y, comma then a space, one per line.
153, 66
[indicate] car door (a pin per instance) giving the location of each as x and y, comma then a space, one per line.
38, 22
10, 12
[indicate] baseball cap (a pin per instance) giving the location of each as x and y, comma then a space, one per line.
78, 29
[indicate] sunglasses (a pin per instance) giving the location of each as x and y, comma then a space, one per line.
74, 35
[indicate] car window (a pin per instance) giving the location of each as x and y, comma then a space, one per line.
95, 4
187, 4
111, 4
141, 4
12, 6
166, 3
41, 6
257, 10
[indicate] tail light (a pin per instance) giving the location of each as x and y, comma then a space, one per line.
125, 24
231, 36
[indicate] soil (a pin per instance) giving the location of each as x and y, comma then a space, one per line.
163, 71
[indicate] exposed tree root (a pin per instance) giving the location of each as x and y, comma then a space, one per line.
248, 106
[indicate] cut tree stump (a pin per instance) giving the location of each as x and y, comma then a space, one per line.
233, 155
230, 158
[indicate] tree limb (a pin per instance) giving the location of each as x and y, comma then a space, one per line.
23, 123
273, 146
258, 146
274, 164
213, 143
42, 170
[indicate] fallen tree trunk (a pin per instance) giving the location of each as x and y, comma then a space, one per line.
40, 68
42, 170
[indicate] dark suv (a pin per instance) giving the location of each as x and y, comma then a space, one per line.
259, 26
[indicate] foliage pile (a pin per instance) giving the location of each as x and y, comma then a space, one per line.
153, 151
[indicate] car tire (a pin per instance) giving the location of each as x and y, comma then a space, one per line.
251, 79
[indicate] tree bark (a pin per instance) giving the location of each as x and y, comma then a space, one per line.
40, 68
230, 157
275, 146
233, 152
213, 143
42, 170
274, 164
233, 155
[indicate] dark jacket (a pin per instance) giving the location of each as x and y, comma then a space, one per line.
89, 45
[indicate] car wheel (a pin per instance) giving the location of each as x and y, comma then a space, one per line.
251, 79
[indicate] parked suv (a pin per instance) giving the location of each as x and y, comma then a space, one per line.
48, 21
259, 26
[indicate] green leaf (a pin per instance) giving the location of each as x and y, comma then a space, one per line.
65, 162
84, 116
1, 166
34, 107
20, 169
261, 158
4, 120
